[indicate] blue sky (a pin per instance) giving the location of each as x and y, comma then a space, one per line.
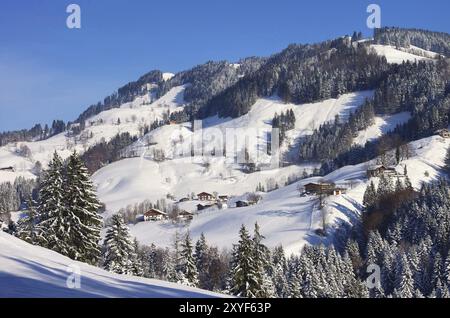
48, 71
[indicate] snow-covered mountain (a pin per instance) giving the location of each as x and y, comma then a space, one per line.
151, 168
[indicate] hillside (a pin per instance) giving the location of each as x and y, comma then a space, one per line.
288, 219
130, 117
32, 271
128, 181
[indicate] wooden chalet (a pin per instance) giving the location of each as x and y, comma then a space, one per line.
339, 191
201, 207
244, 203
154, 215
186, 215
318, 188
326, 188
223, 198
380, 170
205, 196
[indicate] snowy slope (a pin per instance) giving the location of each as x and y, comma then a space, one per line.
287, 218
31, 271
133, 116
134, 180
399, 55
308, 118
381, 126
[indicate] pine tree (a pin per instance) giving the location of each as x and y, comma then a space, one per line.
169, 272
118, 255
441, 290
437, 268
408, 184
447, 270
189, 269
202, 261
309, 278
404, 279
370, 195
83, 221
51, 207
244, 278
177, 260
385, 186
137, 259
399, 185
151, 261
261, 258
201, 249
26, 226
278, 272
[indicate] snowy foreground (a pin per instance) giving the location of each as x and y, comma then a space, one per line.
32, 271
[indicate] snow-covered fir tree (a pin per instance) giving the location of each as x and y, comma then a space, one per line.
137, 259
261, 259
118, 248
68, 211
188, 267
27, 225
202, 260
404, 285
51, 207
82, 220
370, 195
244, 276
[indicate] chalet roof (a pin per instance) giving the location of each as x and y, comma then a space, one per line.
204, 193
319, 184
380, 167
184, 212
155, 211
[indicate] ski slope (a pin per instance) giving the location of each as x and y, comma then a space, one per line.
381, 126
177, 139
32, 271
399, 55
288, 219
